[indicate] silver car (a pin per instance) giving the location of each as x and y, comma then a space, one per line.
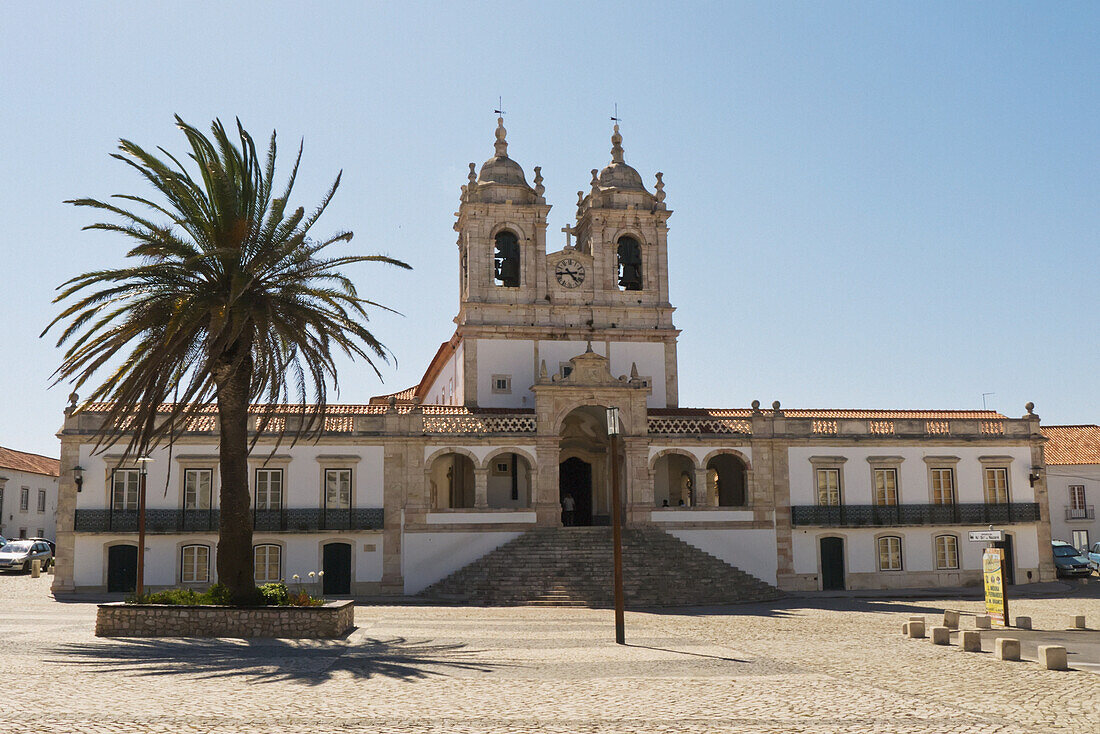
18, 555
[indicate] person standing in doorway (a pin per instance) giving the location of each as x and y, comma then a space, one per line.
568, 504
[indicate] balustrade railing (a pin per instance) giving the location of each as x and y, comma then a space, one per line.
1080, 513
291, 519
979, 513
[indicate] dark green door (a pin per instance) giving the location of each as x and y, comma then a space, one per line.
832, 563
121, 568
337, 566
1010, 559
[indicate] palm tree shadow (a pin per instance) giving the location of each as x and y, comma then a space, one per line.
310, 662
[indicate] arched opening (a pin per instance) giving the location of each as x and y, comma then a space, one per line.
673, 479
452, 482
726, 481
629, 254
509, 481
336, 563
585, 467
121, 568
506, 260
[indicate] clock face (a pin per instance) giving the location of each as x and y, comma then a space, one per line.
569, 272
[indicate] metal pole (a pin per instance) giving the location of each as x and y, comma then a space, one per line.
617, 540
139, 590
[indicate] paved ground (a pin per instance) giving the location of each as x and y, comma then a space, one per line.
820, 665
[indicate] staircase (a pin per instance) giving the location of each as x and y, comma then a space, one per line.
573, 567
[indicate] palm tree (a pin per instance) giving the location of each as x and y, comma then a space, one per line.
231, 300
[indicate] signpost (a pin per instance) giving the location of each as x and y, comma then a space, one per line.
616, 523
993, 572
986, 536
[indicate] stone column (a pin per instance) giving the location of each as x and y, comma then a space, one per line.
481, 488
639, 481
699, 496
547, 505
66, 514
396, 470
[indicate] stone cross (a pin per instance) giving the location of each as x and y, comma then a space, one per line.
568, 234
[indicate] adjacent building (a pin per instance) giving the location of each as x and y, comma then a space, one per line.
1073, 482
28, 494
510, 419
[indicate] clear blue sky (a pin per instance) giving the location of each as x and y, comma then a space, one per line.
876, 204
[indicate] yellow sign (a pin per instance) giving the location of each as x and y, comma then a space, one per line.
993, 570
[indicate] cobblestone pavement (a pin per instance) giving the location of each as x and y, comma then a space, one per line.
829, 665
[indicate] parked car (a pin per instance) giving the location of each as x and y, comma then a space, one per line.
47, 541
1093, 555
18, 555
3, 541
1068, 561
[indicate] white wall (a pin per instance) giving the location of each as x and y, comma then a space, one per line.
449, 386
515, 358
752, 551
429, 557
1059, 479
913, 478
12, 518
650, 358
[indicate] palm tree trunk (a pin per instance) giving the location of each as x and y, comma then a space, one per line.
235, 560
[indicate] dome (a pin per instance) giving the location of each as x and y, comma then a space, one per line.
617, 174
500, 169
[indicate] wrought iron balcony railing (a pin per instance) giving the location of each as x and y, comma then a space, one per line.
1080, 513
891, 515
291, 520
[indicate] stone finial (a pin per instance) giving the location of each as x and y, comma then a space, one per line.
756, 407
659, 187
539, 188
595, 181
775, 405
616, 145
391, 403
633, 371
472, 176
416, 405
501, 145
588, 348
73, 398
542, 370
580, 199
1030, 408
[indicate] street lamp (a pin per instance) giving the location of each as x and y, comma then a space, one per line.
616, 523
139, 587
78, 477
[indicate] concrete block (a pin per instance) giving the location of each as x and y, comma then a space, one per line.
916, 618
905, 628
941, 636
1053, 657
1006, 648
1023, 623
36, 568
1079, 622
983, 622
916, 630
970, 641
951, 619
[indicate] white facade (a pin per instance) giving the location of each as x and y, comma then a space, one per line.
1073, 483
28, 499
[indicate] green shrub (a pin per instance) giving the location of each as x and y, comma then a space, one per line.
273, 595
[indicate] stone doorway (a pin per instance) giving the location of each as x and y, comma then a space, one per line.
575, 480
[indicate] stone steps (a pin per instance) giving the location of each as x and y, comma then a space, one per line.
573, 567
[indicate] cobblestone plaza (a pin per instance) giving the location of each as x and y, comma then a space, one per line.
797, 665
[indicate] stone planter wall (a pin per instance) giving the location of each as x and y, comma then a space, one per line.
161, 620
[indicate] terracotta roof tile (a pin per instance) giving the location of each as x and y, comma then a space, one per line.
842, 413
401, 396
30, 463
1072, 444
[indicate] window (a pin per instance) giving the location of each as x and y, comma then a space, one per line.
947, 552
268, 563
337, 489
629, 255
195, 564
196, 489
566, 369
828, 486
41, 500
24, 499
124, 489
1, 499
889, 553
943, 486
996, 485
886, 486
1081, 540
1077, 496
269, 489
22, 532
506, 260
41, 532
502, 384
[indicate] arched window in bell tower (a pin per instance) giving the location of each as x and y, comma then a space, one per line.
506, 260
630, 264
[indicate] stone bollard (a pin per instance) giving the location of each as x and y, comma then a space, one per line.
950, 619
50, 568
915, 618
1053, 657
970, 641
941, 636
36, 568
905, 628
1079, 622
1023, 623
916, 630
1006, 648
983, 622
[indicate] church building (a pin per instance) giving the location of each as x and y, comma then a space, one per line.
489, 480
